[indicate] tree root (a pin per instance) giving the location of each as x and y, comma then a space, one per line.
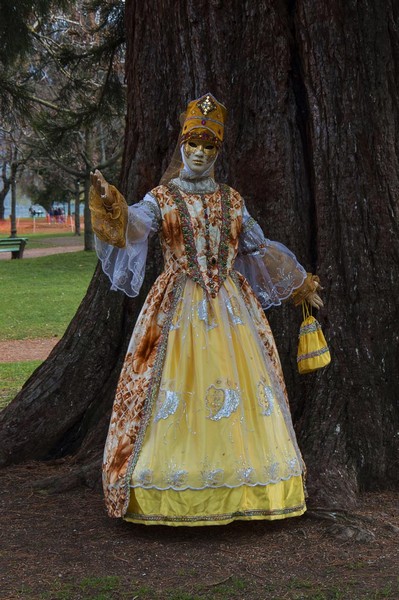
347, 526
85, 475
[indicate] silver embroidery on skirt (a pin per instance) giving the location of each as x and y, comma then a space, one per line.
234, 311
176, 478
212, 477
177, 316
144, 478
245, 474
272, 470
167, 404
221, 402
202, 309
265, 398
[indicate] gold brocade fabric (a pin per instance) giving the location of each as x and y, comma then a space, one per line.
109, 224
205, 118
201, 432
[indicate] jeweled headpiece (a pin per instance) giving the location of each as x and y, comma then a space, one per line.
204, 119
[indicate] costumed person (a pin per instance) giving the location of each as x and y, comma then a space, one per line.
201, 431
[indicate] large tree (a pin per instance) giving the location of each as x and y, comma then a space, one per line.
311, 89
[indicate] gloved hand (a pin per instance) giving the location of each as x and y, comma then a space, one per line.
309, 292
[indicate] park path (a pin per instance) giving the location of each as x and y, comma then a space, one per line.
21, 350
35, 252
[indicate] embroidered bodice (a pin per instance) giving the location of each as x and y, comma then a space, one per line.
200, 232
205, 231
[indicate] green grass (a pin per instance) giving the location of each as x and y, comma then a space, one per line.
39, 296
117, 588
48, 240
12, 378
114, 588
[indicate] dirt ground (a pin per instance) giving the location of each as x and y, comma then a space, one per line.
27, 226
65, 546
21, 350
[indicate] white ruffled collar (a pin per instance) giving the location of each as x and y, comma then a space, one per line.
203, 185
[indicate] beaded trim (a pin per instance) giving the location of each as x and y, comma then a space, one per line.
194, 270
154, 208
176, 488
221, 517
205, 136
249, 224
153, 388
313, 354
224, 233
310, 328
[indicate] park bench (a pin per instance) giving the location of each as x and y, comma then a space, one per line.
14, 245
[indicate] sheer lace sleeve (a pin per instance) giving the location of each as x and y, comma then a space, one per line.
270, 268
125, 266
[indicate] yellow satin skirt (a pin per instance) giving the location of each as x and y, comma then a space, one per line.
219, 445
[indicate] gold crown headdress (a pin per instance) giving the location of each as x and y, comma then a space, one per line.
204, 119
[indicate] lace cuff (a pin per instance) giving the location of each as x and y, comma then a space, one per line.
125, 266
109, 219
269, 267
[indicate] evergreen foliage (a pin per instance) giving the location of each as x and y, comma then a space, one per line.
17, 20
62, 93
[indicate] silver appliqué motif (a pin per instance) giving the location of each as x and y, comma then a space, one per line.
272, 468
265, 396
167, 404
293, 466
221, 402
177, 316
202, 309
212, 478
144, 478
175, 477
234, 311
245, 474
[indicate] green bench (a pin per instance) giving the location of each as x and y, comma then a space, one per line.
14, 245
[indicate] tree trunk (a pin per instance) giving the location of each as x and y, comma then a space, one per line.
77, 207
88, 236
88, 233
4, 191
3, 195
13, 215
311, 144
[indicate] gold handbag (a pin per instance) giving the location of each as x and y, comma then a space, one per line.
313, 352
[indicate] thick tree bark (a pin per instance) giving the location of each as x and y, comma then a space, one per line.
310, 143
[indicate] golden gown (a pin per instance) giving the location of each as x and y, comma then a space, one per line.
201, 432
